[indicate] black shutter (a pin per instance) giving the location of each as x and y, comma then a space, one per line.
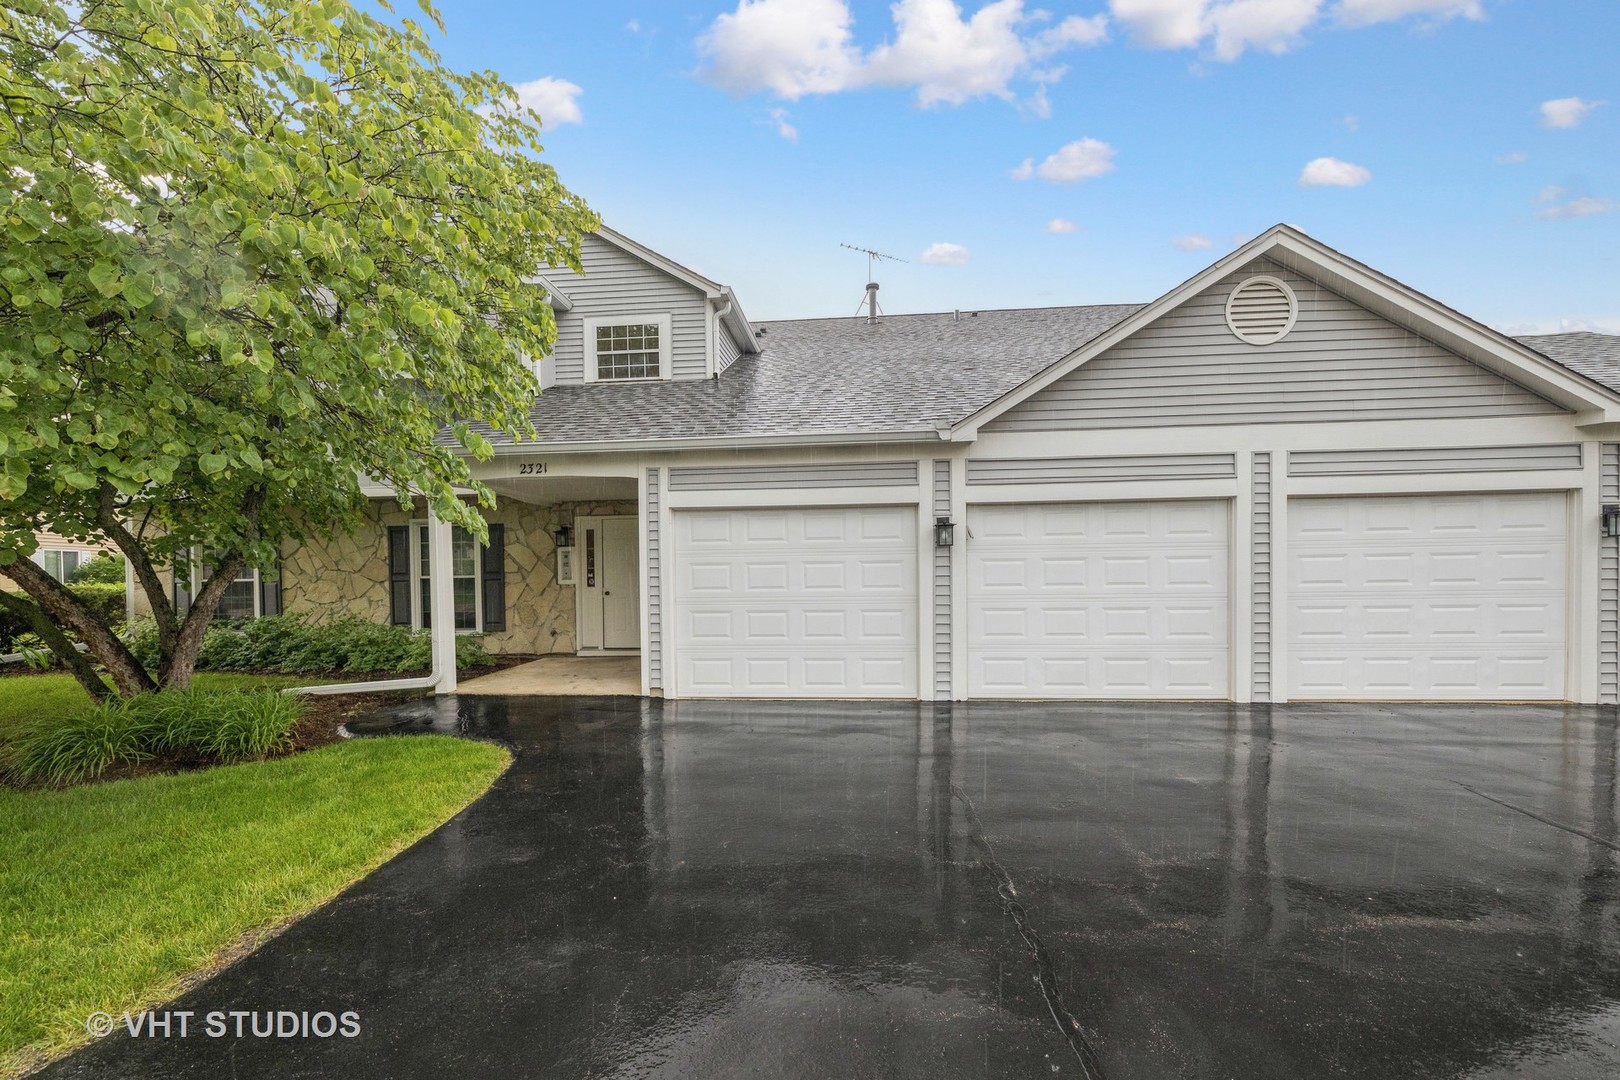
270, 593
399, 575
182, 592
494, 580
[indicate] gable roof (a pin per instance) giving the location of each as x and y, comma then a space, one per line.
1593, 401
906, 376
1596, 356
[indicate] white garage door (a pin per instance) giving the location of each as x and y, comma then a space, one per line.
1098, 600
1456, 597
796, 603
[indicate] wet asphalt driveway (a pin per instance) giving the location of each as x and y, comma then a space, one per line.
710, 889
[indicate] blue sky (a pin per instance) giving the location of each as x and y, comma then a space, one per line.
1470, 148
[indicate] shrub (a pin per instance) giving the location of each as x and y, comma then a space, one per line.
292, 645
106, 600
107, 568
217, 727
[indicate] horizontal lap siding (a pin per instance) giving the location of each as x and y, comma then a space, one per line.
655, 605
1101, 469
1340, 362
725, 349
1433, 460
942, 586
765, 477
1260, 620
617, 283
1609, 587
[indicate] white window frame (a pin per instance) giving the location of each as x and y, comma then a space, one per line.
419, 574
248, 574
664, 323
81, 557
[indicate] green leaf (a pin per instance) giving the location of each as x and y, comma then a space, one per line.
106, 279
211, 464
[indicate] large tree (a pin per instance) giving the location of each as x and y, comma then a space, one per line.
252, 251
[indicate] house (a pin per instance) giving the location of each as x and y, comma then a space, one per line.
59, 556
1290, 477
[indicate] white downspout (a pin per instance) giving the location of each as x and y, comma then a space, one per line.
442, 679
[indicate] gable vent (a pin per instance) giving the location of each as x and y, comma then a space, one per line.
1261, 310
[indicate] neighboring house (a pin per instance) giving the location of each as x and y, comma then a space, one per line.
1289, 478
59, 556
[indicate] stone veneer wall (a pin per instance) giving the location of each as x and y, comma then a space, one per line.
349, 575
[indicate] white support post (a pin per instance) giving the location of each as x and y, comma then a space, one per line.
442, 590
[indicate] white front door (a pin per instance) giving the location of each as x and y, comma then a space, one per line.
1098, 600
796, 603
1428, 597
608, 573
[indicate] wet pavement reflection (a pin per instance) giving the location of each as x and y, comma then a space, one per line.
716, 889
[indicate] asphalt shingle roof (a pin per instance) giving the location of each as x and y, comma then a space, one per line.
903, 373
1597, 356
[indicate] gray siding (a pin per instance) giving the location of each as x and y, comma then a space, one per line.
1260, 555
942, 587
617, 283
764, 477
1609, 587
655, 601
1340, 362
1431, 460
1066, 470
726, 351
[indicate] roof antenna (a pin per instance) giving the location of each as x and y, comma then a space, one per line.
869, 302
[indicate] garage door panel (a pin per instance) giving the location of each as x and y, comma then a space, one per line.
1098, 600
796, 603
1428, 597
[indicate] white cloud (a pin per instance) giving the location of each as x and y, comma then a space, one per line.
779, 117
1232, 27
1352, 122
1566, 112
1585, 206
1564, 325
556, 100
790, 47
1269, 25
1368, 12
1331, 172
1060, 226
798, 47
1080, 160
1162, 24
634, 26
944, 255
1516, 157
1550, 193
1193, 242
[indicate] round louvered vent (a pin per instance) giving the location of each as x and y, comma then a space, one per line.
1261, 310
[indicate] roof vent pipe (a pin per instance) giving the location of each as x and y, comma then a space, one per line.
871, 303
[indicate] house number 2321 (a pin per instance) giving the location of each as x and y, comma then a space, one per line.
531, 468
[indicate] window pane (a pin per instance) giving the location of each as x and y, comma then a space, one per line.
466, 591
427, 603
237, 603
463, 554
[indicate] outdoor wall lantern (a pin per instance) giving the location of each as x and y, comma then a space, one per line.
564, 536
1611, 520
945, 532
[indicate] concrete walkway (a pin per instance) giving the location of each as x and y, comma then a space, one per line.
561, 676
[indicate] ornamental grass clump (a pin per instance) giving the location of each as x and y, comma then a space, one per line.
175, 726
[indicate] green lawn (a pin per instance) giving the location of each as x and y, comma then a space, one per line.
111, 893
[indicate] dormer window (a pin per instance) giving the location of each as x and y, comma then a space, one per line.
627, 349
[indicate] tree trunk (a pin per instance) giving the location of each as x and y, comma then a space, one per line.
157, 597
181, 662
52, 635
69, 612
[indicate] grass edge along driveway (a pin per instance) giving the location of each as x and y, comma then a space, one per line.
112, 894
